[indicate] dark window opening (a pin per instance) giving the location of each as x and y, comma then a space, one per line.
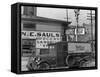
29, 26
44, 51
28, 47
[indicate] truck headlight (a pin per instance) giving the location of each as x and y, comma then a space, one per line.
38, 59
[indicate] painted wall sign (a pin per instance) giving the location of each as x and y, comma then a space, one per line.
28, 34
42, 38
79, 47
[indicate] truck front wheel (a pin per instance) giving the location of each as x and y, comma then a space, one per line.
70, 61
43, 66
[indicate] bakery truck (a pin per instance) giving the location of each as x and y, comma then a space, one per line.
64, 55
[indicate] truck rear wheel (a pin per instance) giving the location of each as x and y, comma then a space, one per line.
90, 63
43, 66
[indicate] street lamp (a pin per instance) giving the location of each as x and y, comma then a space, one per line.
77, 18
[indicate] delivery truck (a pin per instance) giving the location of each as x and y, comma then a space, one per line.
64, 55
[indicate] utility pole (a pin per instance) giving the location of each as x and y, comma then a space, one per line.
67, 14
67, 20
91, 18
77, 18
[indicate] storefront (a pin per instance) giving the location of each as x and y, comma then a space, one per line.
38, 32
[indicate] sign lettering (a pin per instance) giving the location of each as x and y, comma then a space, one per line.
42, 38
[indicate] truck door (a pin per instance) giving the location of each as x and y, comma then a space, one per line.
60, 55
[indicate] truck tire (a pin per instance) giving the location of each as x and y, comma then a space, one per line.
87, 64
70, 61
43, 66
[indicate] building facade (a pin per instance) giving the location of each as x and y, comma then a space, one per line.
38, 32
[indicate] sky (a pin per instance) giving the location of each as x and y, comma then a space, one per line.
60, 14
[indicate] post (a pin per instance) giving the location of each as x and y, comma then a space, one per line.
77, 18
91, 19
77, 31
91, 29
67, 20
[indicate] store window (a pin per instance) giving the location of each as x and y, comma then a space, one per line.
28, 47
44, 51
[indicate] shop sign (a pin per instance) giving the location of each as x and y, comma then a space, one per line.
42, 38
29, 34
79, 47
81, 31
